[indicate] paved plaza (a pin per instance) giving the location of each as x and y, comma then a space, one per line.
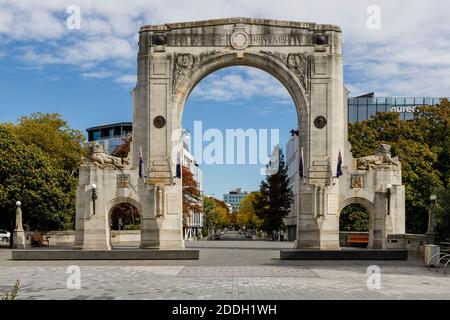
226, 270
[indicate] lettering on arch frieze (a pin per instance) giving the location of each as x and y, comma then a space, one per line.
298, 63
184, 63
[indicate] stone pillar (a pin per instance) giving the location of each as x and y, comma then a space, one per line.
18, 234
318, 224
92, 230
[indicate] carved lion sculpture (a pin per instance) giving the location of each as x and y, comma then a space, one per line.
98, 157
381, 159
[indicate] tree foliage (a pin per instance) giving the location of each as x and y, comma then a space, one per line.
354, 217
423, 146
39, 159
443, 213
246, 215
50, 133
216, 214
129, 216
273, 202
191, 194
122, 150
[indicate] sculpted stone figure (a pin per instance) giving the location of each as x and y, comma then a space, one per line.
381, 159
98, 157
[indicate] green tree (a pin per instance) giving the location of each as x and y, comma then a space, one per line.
423, 146
52, 134
29, 175
442, 213
354, 217
246, 215
273, 203
216, 214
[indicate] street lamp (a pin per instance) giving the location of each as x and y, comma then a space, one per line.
94, 196
388, 196
430, 235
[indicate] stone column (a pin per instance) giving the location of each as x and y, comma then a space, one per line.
19, 234
92, 225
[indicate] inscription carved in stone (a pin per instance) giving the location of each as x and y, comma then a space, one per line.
254, 40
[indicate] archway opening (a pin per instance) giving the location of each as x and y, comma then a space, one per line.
354, 226
125, 225
231, 121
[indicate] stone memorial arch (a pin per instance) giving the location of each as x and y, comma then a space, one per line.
307, 59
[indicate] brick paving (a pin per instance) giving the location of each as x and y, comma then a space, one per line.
225, 271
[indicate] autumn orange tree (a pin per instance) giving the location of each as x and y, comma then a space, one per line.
122, 150
191, 195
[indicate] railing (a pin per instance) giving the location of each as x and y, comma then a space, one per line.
442, 257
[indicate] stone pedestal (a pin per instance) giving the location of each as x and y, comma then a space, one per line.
19, 239
18, 234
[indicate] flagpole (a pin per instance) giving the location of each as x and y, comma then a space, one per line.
302, 159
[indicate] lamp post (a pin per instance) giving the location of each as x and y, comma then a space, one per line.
388, 196
430, 235
19, 234
94, 196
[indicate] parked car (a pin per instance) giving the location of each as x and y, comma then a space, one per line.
216, 237
4, 235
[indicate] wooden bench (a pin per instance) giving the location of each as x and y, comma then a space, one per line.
445, 247
357, 239
39, 240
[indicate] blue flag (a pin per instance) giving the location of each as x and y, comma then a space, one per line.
141, 164
302, 165
178, 168
178, 174
339, 166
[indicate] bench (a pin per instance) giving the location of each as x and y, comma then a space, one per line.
39, 240
445, 247
357, 239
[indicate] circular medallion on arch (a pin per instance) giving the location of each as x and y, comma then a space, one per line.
239, 40
159, 122
320, 122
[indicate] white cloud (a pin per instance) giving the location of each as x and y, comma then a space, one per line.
101, 74
405, 57
240, 83
126, 80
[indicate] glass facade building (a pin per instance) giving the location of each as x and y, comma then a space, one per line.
363, 107
111, 135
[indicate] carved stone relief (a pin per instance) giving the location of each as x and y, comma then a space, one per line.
99, 158
298, 63
184, 63
380, 160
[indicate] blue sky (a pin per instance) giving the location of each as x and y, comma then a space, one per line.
87, 74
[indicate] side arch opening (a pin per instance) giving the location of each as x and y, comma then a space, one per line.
356, 223
124, 221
